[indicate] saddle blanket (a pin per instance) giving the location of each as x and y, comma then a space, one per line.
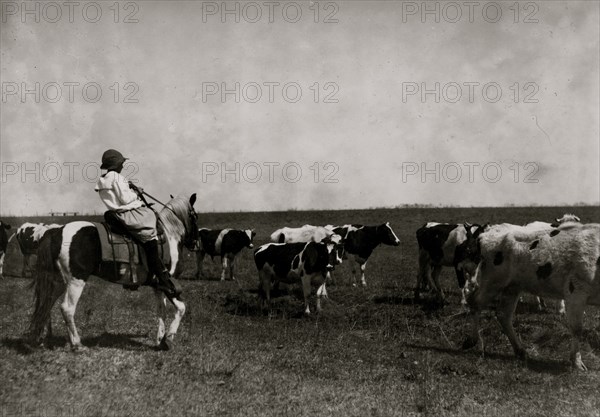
118, 248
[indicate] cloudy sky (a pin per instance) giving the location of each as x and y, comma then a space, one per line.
302, 105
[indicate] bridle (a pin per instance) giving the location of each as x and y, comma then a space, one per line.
190, 242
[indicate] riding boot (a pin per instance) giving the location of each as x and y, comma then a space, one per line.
163, 280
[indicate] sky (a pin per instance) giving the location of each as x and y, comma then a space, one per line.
301, 105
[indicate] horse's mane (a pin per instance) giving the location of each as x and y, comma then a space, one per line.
175, 218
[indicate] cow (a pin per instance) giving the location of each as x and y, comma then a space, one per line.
437, 248
360, 242
306, 233
566, 218
558, 261
3, 243
29, 236
226, 243
307, 262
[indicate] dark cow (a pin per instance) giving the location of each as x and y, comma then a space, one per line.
3, 243
437, 248
29, 236
360, 241
226, 243
293, 262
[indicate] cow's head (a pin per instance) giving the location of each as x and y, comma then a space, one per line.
335, 250
467, 255
250, 233
568, 217
387, 235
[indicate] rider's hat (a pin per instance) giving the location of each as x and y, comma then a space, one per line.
111, 159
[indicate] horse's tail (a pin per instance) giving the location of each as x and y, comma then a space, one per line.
46, 283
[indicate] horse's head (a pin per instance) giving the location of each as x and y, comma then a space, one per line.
183, 209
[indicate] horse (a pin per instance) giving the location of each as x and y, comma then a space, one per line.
67, 256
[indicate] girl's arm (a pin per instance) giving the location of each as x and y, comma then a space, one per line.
125, 194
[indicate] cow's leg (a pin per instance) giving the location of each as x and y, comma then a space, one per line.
231, 263
321, 293
264, 288
575, 305
435, 282
541, 304
2, 264
353, 268
199, 260
167, 339
505, 312
306, 291
161, 310
478, 300
363, 265
68, 306
422, 275
462, 284
223, 267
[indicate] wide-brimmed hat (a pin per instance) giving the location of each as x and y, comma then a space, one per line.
111, 159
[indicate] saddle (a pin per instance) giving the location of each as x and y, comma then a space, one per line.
123, 257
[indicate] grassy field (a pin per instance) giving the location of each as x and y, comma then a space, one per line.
372, 352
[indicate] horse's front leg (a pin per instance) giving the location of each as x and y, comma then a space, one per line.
161, 310
166, 342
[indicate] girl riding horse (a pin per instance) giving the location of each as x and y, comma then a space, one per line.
138, 219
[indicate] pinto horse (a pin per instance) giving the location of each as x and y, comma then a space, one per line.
67, 256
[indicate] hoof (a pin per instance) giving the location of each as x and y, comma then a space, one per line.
78, 349
32, 345
165, 344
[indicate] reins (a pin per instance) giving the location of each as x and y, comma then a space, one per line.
141, 194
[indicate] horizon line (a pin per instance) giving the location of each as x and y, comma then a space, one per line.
402, 206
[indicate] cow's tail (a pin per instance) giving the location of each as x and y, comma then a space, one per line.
46, 285
11, 237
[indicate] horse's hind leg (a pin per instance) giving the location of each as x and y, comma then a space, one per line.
68, 306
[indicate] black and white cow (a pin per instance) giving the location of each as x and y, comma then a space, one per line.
437, 248
360, 242
226, 243
292, 262
29, 236
3, 243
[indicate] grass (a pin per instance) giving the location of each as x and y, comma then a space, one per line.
373, 351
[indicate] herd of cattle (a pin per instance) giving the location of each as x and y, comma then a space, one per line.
494, 264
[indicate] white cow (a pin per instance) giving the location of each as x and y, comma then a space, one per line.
561, 262
306, 233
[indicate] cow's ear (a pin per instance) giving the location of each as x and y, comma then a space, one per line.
192, 199
6, 226
252, 232
480, 229
467, 227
